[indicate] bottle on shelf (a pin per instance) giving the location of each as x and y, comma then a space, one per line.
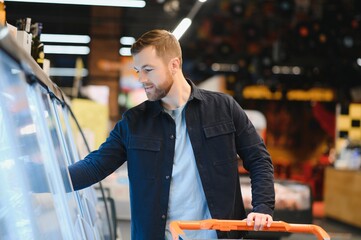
23, 35
37, 48
20, 24
27, 25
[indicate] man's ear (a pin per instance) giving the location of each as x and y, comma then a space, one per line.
174, 65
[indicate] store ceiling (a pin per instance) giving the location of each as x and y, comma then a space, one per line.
322, 38
58, 18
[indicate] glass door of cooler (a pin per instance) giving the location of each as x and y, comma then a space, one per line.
63, 137
64, 121
28, 210
101, 220
98, 215
73, 204
88, 208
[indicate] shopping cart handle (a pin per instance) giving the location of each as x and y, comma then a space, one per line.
241, 225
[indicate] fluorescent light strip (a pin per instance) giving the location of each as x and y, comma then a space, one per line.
71, 50
64, 38
186, 22
182, 27
67, 72
125, 51
110, 3
127, 40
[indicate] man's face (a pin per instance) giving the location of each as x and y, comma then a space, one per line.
153, 73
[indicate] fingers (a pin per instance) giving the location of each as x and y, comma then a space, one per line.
259, 220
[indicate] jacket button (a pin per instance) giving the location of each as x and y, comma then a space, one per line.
163, 216
172, 137
167, 177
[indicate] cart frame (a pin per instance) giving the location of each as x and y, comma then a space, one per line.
241, 225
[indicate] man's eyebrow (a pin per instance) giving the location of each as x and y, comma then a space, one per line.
142, 67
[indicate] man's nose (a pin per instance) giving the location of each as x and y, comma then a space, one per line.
141, 77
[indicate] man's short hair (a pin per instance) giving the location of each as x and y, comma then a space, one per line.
164, 42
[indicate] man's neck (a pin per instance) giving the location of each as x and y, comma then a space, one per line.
178, 95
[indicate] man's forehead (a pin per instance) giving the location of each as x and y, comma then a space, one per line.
146, 58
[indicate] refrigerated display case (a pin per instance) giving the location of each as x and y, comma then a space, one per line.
37, 200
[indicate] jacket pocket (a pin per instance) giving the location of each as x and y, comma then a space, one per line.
220, 140
219, 129
143, 157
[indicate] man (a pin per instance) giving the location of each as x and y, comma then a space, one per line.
181, 150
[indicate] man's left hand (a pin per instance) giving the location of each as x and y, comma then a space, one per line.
260, 220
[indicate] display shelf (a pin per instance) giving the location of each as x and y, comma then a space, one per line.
342, 195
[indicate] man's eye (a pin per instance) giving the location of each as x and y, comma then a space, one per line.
148, 69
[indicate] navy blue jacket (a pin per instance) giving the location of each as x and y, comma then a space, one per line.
145, 137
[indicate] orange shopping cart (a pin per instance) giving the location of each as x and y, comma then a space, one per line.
177, 227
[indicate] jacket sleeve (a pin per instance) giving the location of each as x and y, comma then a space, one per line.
100, 163
256, 160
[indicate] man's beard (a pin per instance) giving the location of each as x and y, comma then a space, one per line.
162, 90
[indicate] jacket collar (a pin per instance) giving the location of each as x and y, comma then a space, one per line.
195, 92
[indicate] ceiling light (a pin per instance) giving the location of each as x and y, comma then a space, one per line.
127, 40
68, 72
71, 50
64, 38
348, 42
182, 27
125, 51
358, 61
110, 3
186, 22
224, 67
171, 7
295, 70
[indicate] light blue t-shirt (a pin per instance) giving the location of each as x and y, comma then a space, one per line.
186, 200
